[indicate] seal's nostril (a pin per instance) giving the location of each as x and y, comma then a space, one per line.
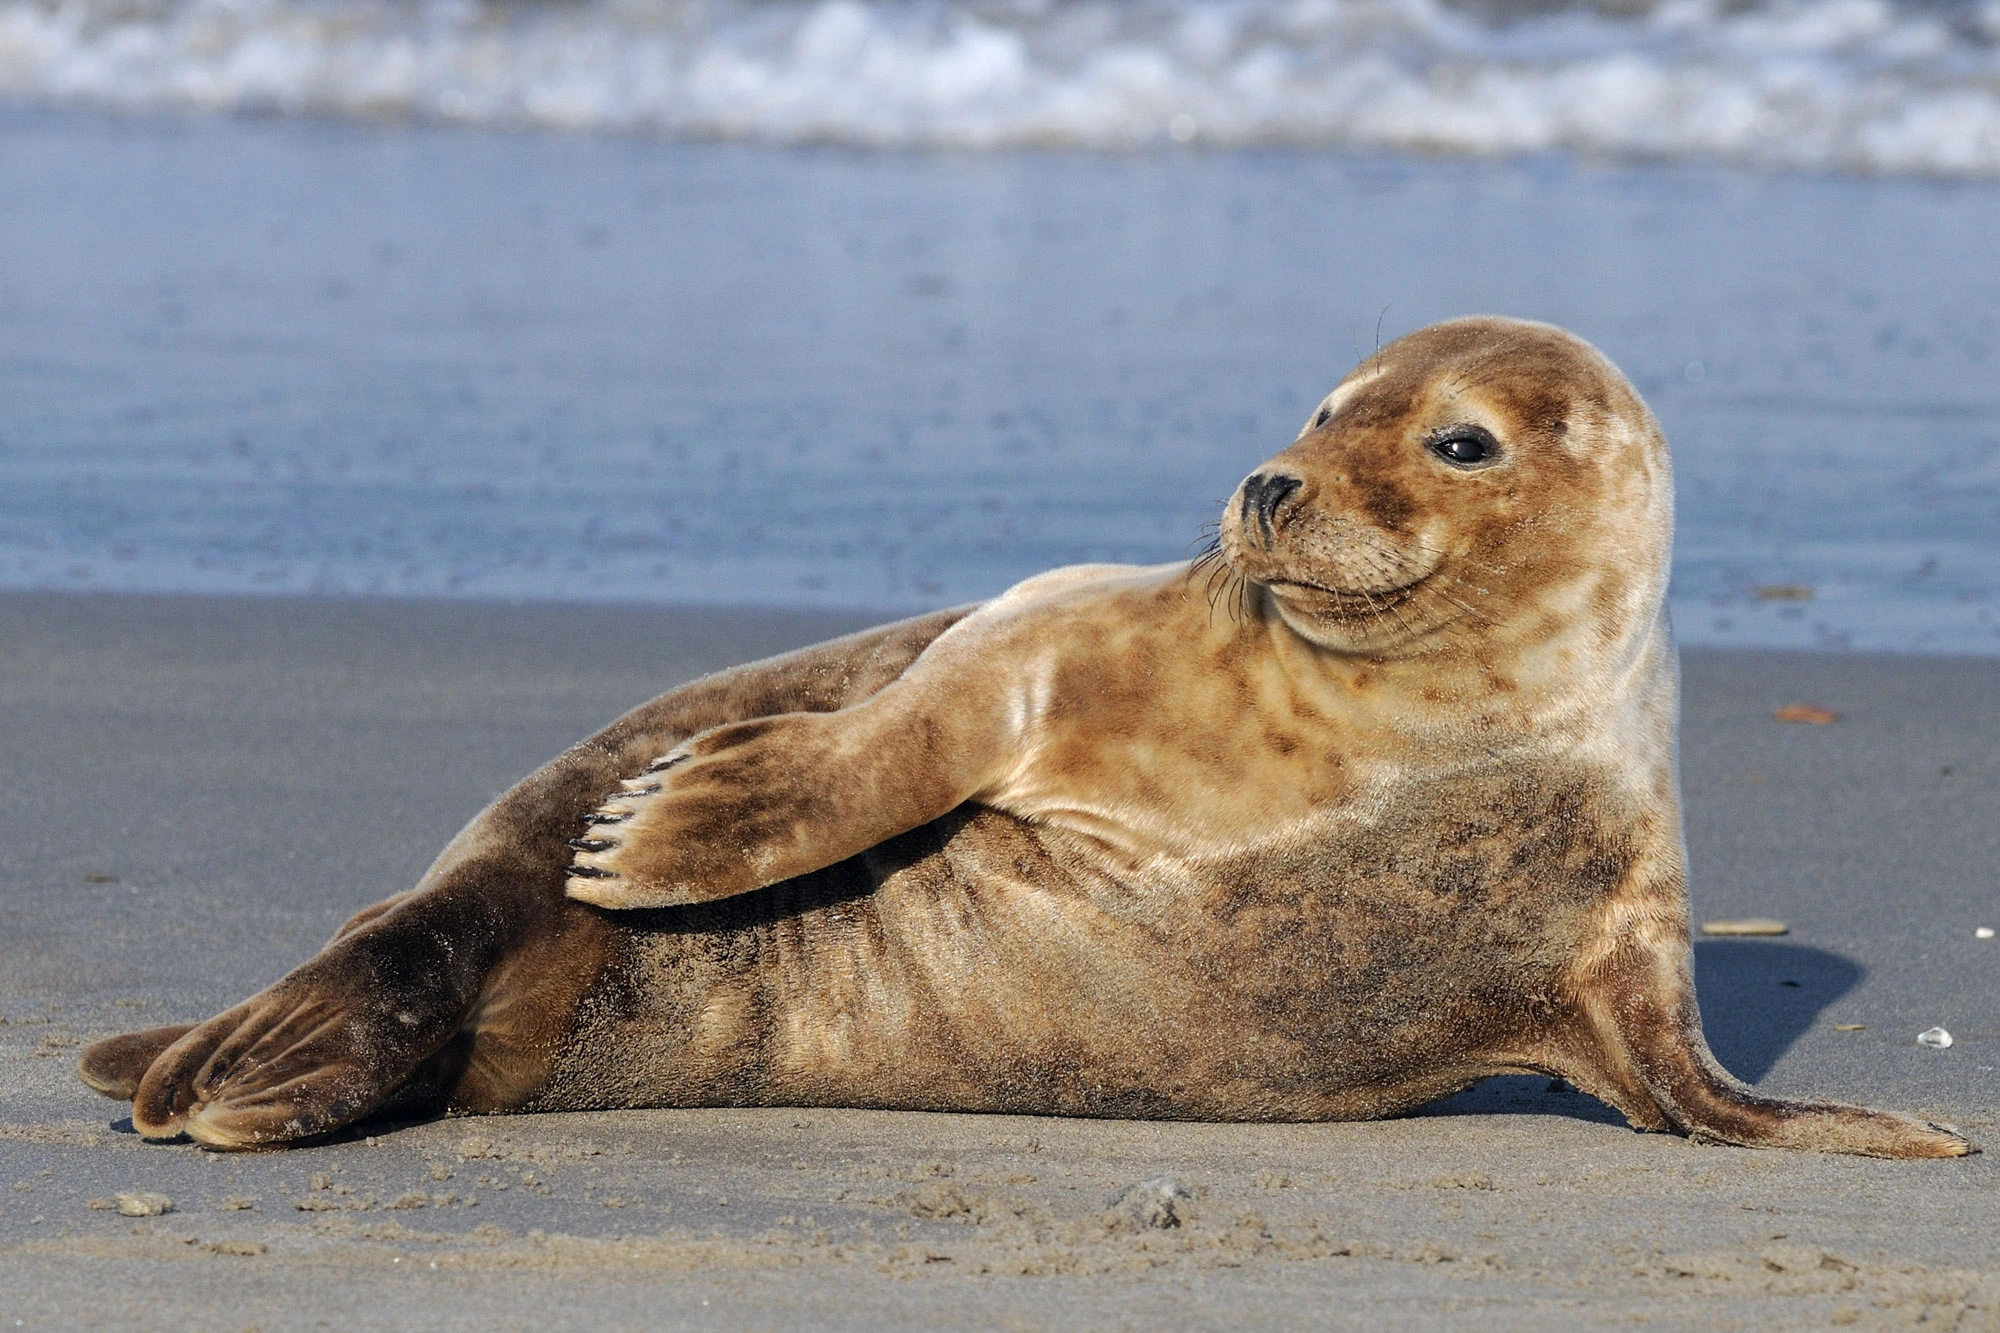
1262, 494
1253, 489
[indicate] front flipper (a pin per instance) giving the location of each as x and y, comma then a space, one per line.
752, 803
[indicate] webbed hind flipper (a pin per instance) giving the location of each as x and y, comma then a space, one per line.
334, 1039
117, 1065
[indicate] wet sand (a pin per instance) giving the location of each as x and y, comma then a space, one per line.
199, 790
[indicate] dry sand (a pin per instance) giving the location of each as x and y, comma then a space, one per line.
199, 790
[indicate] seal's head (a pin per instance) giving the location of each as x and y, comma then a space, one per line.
1481, 484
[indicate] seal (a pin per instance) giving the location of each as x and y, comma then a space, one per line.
1375, 799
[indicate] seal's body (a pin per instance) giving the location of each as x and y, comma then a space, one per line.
1376, 800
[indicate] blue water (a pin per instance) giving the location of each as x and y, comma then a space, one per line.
292, 357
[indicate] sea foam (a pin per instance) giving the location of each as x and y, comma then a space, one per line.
1860, 85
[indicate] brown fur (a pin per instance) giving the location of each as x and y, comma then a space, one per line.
1378, 800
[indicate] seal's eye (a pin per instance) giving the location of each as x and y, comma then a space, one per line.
1466, 446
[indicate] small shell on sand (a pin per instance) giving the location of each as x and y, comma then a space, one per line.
1935, 1038
144, 1204
1749, 925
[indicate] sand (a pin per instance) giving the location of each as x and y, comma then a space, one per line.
199, 790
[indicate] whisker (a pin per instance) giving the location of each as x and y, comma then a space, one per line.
1217, 570
1379, 562
1424, 587
1449, 577
1445, 596
1218, 585
1221, 572
1438, 551
1374, 611
1393, 609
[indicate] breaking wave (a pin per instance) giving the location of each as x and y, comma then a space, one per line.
1859, 85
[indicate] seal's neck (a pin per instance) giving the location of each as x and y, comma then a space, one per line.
1470, 698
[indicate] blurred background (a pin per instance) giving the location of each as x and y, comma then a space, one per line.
880, 306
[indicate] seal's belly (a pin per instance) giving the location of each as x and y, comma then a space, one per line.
982, 963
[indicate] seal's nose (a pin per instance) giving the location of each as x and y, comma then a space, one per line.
1263, 492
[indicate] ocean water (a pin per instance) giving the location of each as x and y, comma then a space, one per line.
304, 356
1867, 85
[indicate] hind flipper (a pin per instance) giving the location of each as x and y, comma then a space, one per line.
116, 1065
290, 1064
335, 1038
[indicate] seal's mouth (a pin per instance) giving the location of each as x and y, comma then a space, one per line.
1352, 603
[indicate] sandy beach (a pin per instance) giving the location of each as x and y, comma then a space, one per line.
200, 789
392, 394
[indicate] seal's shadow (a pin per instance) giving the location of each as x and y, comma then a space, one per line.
1757, 998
